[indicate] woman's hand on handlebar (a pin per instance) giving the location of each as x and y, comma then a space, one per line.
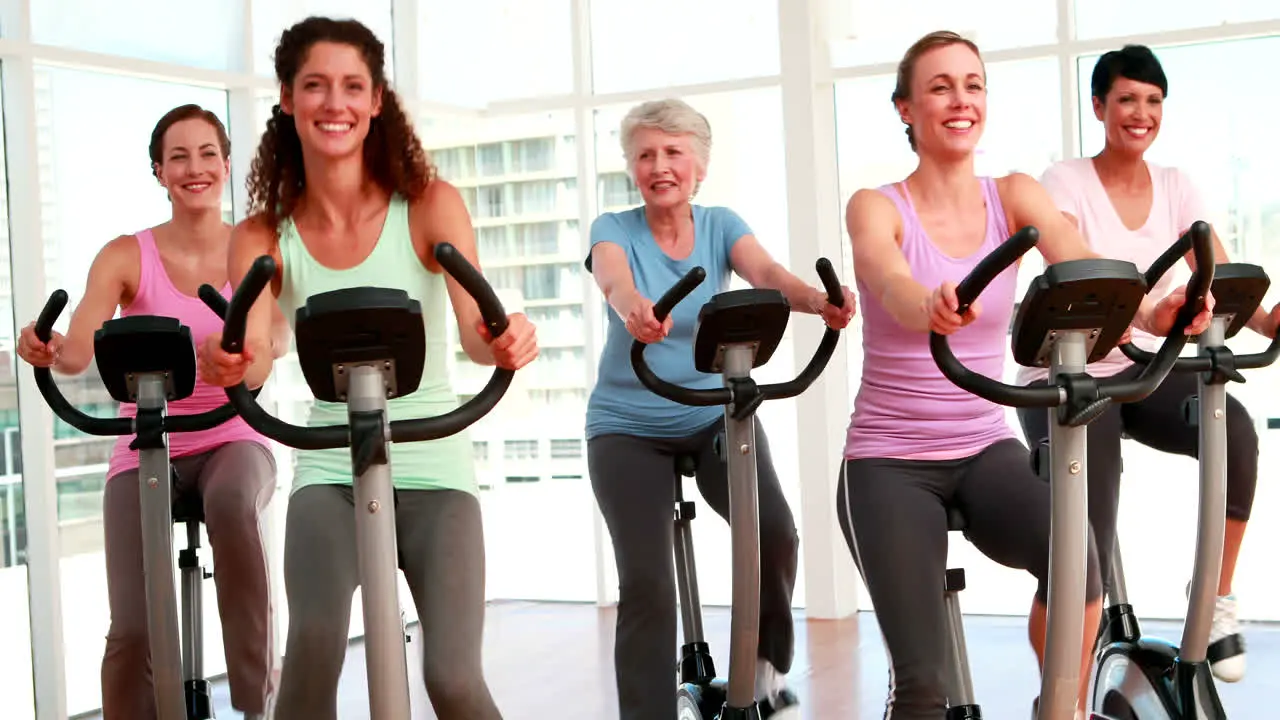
37, 353
836, 318
643, 324
941, 307
1166, 311
516, 347
219, 367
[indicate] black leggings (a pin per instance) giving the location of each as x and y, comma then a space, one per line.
893, 515
633, 480
1157, 422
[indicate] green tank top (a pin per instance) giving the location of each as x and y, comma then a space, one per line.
444, 464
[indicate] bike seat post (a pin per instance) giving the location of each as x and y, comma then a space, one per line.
960, 696
1068, 553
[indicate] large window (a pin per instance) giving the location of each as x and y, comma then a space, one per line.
1100, 18
670, 42
506, 49
1231, 158
522, 174
747, 175
143, 29
96, 184
1023, 134
865, 32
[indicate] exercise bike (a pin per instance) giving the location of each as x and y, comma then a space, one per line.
150, 360
1147, 678
1072, 314
365, 346
737, 331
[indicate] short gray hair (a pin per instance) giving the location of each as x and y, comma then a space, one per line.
670, 116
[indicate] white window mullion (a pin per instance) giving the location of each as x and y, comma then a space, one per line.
27, 270
1067, 80
814, 230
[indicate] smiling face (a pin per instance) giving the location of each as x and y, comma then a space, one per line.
192, 167
947, 107
666, 166
1131, 115
332, 99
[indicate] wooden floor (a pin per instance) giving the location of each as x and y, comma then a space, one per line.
550, 661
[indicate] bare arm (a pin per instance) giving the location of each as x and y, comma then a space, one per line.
250, 240
874, 228
281, 333
613, 276
104, 291
754, 263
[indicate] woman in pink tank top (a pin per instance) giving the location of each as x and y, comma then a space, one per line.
231, 467
916, 443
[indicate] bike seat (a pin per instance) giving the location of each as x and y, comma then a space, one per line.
955, 520
186, 506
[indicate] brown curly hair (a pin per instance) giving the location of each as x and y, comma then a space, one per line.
393, 156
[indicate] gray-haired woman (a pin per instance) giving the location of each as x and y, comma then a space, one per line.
633, 435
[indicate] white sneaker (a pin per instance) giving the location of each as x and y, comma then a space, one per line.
1226, 644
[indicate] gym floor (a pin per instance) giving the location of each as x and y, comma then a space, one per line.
554, 660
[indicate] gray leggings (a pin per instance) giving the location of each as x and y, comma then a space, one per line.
441, 543
893, 514
235, 482
633, 480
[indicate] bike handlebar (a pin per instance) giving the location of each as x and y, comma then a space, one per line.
724, 396
1051, 396
235, 317
90, 425
1198, 363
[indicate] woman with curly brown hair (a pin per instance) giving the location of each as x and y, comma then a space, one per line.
342, 195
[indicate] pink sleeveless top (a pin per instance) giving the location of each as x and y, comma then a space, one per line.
905, 407
158, 296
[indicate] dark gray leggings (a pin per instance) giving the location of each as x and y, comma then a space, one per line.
893, 514
441, 544
633, 480
1157, 422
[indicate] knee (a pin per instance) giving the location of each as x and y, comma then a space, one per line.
780, 543
454, 688
128, 642
649, 592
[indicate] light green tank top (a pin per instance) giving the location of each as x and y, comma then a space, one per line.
433, 465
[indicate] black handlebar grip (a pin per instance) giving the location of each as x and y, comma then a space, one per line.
214, 300
993, 264
453, 262
1201, 280
1168, 259
49, 315
236, 315
830, 283
678, 292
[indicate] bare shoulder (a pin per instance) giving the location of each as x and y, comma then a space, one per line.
440, 201
870, 211
254, 235
1017, 185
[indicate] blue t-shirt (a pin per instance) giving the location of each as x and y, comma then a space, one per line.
619, 403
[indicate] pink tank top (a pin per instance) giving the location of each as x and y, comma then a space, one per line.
158, 296
905, 407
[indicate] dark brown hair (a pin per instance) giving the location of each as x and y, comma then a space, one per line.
177, 115
907, 66
393, 157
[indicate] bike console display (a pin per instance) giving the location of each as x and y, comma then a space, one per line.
755, 317
141, 344
360, 326
1096, 295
